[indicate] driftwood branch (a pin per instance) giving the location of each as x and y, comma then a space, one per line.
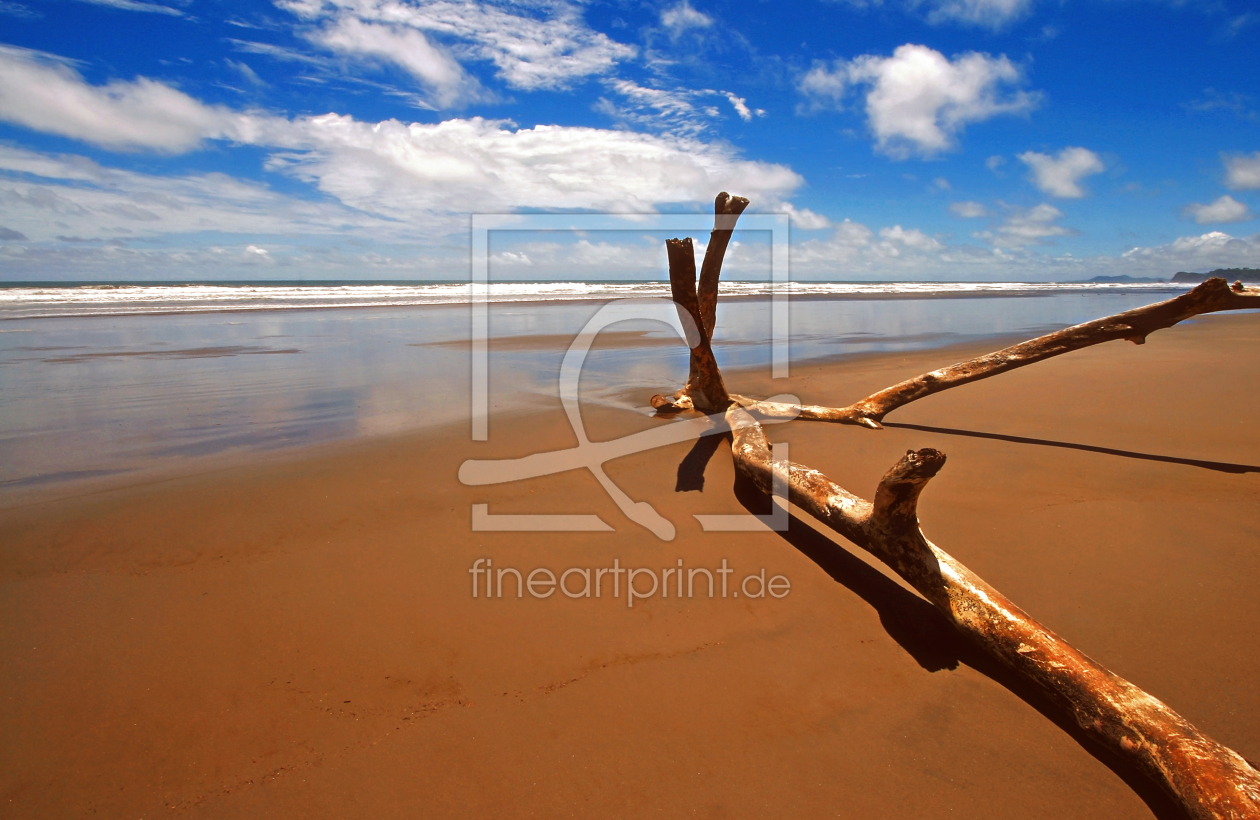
1207, 779
1134, 325
700, 300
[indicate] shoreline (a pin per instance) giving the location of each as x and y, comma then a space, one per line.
1032, 292
38, 489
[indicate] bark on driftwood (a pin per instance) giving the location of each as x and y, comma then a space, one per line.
1205, 778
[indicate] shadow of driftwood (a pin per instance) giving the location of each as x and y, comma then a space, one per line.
930, 638
691, 470
1219, 466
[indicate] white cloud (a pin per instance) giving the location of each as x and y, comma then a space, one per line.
918, 100
1224, 209
408, 48
74, 195
913, 239
549, 48
1198, 253
968, 210
390, 168
467, 165
855, 251
1242, 171
995, 162
740, 105
248, 74
1030, 226
43, 93
825, 88
656, 108
682, 17
991, 14
676, 110
134, 5
805, 219
1061, 174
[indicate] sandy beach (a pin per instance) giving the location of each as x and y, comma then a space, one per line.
296, 636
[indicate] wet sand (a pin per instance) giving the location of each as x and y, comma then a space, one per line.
296, 637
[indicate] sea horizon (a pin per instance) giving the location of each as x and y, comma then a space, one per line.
87, 299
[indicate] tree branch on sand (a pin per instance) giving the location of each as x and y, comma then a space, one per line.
1207, 779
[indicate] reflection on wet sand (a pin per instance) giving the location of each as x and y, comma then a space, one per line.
87, 397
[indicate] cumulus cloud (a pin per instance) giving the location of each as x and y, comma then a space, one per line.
1060, 175
533, 44
913, 239
1030, 226
1204, 252
991, 14
407, 48
918, 100
855, 251
400, 170
968, 210
45, 195
825, 86
44, 93
1242, 171
806, 219
681, 17
1224, 209
466, 165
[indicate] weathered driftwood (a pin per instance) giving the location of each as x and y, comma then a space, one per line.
1134, 325
700, 300
1205, 778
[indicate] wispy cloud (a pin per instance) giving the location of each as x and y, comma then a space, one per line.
1240, 105
18, 10
41, 92
682, 17
990, 14
968, 210
440, 74
135, 5
533, 44
680, 110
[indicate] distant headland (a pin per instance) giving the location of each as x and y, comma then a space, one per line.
1228, 274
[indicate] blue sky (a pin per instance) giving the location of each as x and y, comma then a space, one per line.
909, 139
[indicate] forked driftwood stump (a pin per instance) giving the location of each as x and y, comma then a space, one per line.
1205, 778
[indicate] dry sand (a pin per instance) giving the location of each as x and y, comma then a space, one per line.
296, 637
